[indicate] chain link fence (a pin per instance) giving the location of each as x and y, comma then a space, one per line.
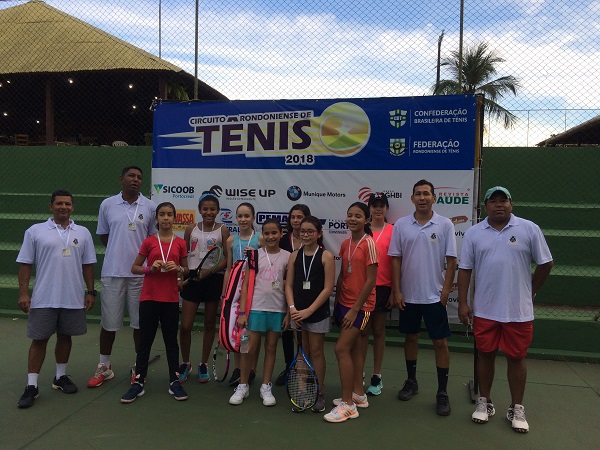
86, 73
108, 60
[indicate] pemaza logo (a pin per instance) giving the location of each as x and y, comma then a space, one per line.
282, 217
294, 193
397, 117
448, 195
176, 191
397, 146
365, 192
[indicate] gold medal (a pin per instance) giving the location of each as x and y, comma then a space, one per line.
131, 226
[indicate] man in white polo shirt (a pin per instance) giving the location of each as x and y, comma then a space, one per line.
124, 221
423, 245
500, 250
64, 256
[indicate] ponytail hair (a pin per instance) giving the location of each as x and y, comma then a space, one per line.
367, 212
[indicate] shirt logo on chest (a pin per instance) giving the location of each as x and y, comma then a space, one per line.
512, 241
433, 237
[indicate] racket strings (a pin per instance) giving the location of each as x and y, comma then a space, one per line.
302, 385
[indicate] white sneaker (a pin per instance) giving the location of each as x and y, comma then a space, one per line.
341, 413
241, 392
483, 411
516, 415
361, 401
267, 395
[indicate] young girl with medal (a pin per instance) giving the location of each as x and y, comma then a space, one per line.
235, 249
291, 241
201, 238
354, 301
166, 258
268, 314
309, 283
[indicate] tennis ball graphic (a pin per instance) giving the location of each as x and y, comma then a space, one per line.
345, 128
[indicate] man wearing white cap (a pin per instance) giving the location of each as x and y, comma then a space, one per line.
500, 250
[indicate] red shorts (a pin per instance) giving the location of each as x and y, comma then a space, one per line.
513, 338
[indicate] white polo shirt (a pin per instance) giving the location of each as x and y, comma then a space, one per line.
423, 250
58, 279
123, 243
501, 261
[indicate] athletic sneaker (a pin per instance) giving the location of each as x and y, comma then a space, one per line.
136, 390
102, 374
65, 384
28, 397
235, 377
483, 411
282, 378
319, 405
184, 372
516, 416
241, 392
442, 404
410, 388
266, 395
177, 391
203, 375
376, 386
341, 413
361, 401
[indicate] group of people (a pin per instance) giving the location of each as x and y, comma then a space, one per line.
410, 265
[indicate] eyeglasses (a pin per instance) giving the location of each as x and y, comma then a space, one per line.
308, 232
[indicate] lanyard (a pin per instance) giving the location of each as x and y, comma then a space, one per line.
355, 248
60, 235
240, 243
137, 204
379, 235
292, 242
161, 250
307, 275
271, 263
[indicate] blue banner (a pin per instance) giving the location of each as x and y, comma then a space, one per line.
404, 133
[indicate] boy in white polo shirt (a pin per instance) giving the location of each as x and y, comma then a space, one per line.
422, 244
124, 221
500, 250
64, 256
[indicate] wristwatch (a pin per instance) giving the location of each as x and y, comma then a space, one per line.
93, 292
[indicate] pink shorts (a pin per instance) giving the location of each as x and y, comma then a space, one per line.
513, 338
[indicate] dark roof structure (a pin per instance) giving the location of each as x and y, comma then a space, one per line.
62, 78
582, 135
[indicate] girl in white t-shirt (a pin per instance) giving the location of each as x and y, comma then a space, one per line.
268, 313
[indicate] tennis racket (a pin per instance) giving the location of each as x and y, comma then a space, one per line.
207, 266
302, 383
220, 363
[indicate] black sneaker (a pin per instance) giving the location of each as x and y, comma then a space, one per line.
442, 404
235, 377
252, 376
319, 405
282, 378
410, 388
28, 397
177, 391
65, 384
136, 390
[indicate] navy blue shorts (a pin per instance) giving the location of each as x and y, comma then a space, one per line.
361, 321
382, 295
434, 315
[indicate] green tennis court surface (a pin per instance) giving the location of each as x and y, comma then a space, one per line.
562, 403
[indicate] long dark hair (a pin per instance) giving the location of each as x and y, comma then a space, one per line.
367, 212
